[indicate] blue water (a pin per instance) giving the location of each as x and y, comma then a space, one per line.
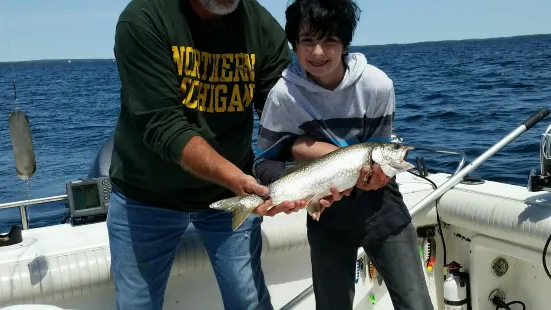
461, 95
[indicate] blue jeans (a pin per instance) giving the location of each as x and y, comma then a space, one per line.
396, 258
144, 240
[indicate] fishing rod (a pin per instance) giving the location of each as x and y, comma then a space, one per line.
458, 177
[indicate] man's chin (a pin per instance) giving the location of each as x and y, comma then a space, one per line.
220, 7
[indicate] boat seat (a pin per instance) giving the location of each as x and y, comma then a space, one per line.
31, 307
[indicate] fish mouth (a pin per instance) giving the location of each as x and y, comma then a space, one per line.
405, 151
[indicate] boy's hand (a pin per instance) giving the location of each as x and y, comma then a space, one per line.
372, 179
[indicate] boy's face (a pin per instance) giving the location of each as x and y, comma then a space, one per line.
320, 57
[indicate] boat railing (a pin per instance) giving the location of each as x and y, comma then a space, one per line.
24, 203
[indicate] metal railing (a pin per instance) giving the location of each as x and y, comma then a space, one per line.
24, 203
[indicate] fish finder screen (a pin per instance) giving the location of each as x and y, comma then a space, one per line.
86, 197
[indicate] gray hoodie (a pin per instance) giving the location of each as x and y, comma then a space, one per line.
360, 109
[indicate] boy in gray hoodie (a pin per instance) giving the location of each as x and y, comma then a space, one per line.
331, 98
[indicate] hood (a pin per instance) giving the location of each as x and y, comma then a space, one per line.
355, 65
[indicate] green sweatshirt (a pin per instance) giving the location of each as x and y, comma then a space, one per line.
181, 77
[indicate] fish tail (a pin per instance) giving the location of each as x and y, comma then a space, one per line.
238, 217
239, 206
227, 204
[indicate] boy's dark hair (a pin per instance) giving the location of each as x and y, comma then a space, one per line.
324, 18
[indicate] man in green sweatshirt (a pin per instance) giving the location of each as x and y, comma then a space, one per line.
191, 72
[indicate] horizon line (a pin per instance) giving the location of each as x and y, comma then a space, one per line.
351, 46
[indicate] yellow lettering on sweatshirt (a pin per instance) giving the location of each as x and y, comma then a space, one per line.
215, 83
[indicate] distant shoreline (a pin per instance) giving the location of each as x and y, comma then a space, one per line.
527, 36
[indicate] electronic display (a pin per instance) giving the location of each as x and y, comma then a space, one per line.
86, 197
88, 200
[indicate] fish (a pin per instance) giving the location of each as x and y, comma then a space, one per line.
312, 180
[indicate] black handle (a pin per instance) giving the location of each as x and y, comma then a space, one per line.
15, 236
534, 119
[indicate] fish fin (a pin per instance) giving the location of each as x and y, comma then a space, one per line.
368, 165
310, 199
238, 217
236, 207
313, 207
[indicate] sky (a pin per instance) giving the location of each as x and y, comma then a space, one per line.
77, 29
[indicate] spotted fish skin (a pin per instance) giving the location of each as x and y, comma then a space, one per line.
312, 181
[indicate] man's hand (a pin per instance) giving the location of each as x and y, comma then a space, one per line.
372, 179
246, 185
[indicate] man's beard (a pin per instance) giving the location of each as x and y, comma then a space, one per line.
220, 7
